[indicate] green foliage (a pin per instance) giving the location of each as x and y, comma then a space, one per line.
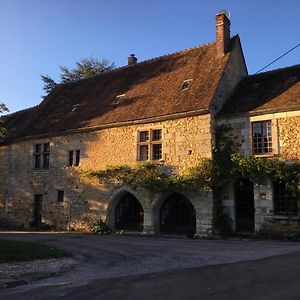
215, 174
49, 83
85, 68
283, 233
100, 227
229, 166
3, 109
11, 251
156, 178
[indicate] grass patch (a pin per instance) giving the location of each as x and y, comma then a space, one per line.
16, 251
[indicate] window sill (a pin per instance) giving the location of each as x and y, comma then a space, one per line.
264, 155
284, 217
160, 161
40, 170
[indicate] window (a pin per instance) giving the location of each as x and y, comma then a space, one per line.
60, 196
150, 145
74, 158
285, 203
262, 137
186, 84
118, 99
41, 156
74, 107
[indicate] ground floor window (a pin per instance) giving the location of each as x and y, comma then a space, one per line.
285, 203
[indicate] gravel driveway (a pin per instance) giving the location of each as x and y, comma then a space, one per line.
115, 256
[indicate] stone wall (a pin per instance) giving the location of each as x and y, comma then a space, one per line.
184, 142
286, 146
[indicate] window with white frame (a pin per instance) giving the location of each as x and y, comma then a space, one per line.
262, 137
41, 156
150, 144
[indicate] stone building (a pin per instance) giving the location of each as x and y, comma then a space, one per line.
264, 114
163, 111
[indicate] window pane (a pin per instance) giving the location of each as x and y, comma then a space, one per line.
70, 158
38, 148
60, 196
144, 136
144, 152
47, 147
156, 135
284, 202
37, 161
157, 151
77, 158
46, 161
262, 137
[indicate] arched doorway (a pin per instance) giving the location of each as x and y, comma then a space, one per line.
129, 214
177, 215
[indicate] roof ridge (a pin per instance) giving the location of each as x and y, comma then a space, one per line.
273, 71
21, 111
139, 63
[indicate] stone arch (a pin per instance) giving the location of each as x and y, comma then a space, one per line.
174, 213
122, 202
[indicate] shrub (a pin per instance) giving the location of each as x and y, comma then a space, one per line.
100, 227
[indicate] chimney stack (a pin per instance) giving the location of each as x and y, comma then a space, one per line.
132, 60
223, 32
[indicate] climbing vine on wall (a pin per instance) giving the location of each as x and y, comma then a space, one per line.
155, 177
225, 167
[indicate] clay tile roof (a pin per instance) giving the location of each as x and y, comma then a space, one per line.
276, 90
151, 89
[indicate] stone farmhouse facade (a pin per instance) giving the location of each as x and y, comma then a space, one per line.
164, 111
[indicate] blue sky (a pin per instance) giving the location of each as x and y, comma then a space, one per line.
37, 36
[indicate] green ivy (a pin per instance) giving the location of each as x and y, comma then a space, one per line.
225, 167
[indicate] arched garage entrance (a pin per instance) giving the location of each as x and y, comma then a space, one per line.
177, 215
129, 214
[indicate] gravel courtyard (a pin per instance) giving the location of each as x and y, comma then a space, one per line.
98, 257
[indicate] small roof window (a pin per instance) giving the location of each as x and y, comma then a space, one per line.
186, 84
74, 107
118, 98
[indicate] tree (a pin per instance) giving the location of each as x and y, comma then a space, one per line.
3, 109
85, 68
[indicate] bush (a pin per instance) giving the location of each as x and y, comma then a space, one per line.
100, 227
288, 233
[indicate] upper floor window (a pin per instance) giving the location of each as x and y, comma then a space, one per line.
74, 158
262, 137
41, 156
285, 203
150, 145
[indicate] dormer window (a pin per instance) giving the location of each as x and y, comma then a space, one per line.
118, 99
186, 84
74, 107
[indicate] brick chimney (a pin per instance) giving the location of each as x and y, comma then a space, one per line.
132, 60
223, 33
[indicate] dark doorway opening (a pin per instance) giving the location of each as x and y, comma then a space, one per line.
244, 205
37, 210
178, 216
129, 214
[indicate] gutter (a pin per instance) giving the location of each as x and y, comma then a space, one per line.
258, 112
109, 125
